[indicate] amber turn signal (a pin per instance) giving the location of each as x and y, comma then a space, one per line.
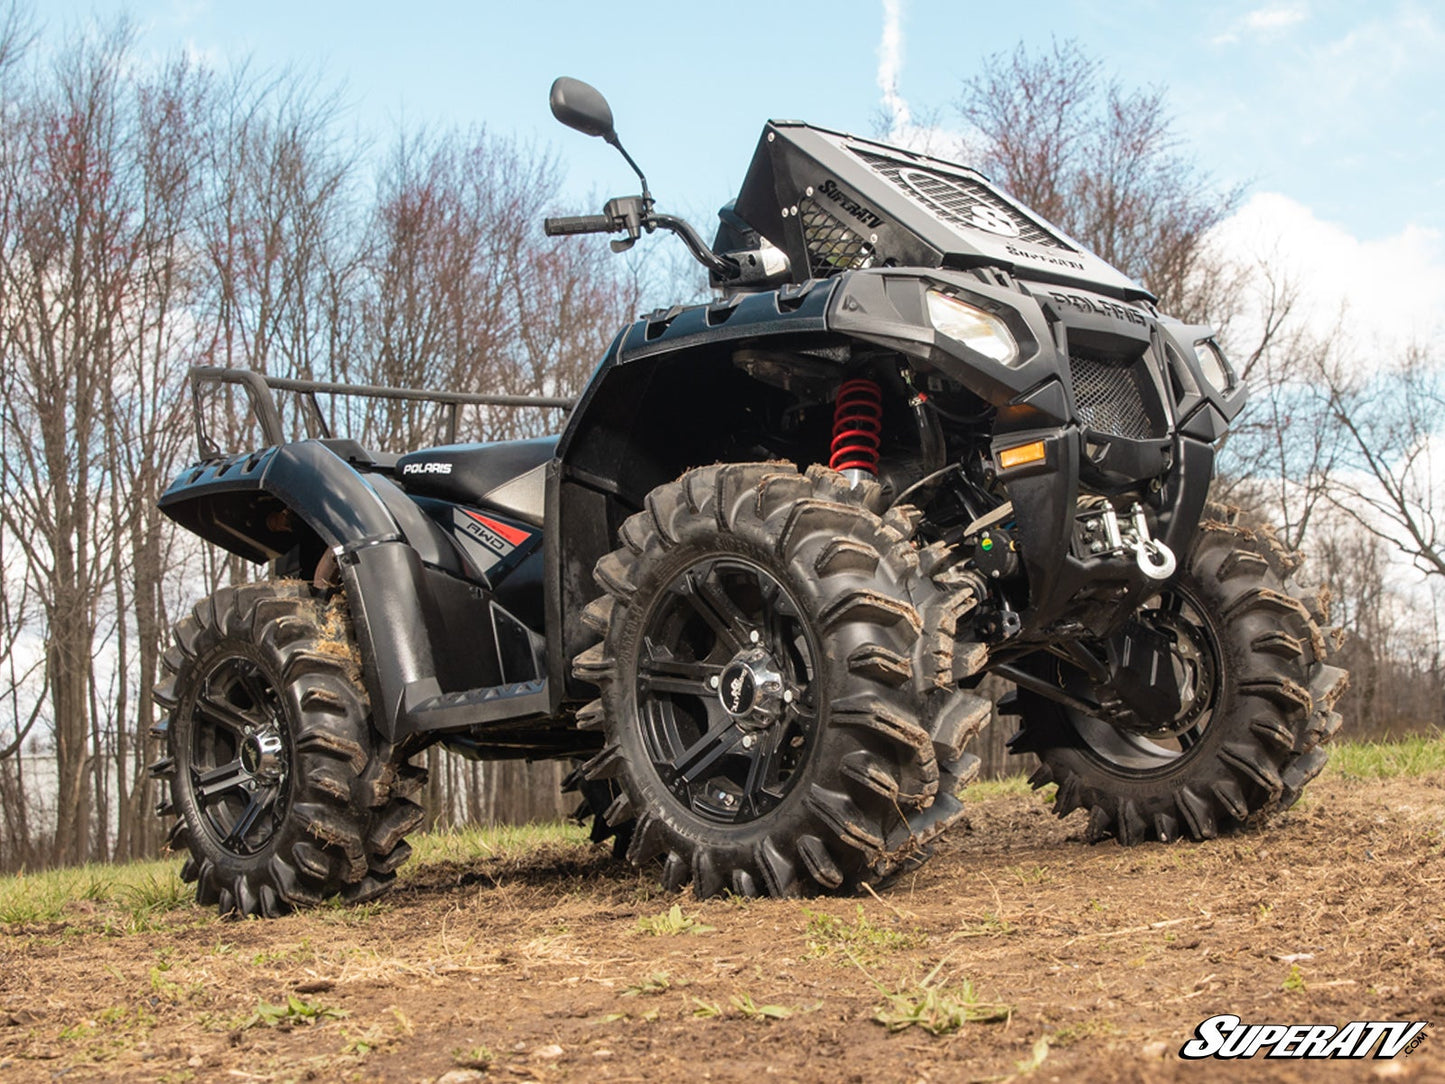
1021, 454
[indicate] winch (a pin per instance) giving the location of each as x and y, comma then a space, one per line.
1101, 533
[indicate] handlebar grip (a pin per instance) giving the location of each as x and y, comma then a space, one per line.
557, 227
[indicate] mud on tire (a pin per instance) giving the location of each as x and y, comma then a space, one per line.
284, 794
1272, 709
778, 689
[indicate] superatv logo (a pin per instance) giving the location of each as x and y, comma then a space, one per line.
848, 204
1061, 261
1227, 1036
427, 468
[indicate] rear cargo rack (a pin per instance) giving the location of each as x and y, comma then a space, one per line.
259, 387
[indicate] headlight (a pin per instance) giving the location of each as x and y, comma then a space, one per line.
1212, 365
976, 329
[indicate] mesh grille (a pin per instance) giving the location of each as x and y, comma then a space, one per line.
961, 201
832, 246
1109, 397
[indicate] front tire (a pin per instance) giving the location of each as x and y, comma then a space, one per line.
1251, 736
285, 795
778, 691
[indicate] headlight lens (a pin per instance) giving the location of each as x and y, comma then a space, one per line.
1212, 365
976, 329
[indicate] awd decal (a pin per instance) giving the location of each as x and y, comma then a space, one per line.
500, 538
851, 206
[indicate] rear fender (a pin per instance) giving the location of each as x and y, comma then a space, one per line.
306, 499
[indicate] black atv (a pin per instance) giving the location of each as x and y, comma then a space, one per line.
921, 436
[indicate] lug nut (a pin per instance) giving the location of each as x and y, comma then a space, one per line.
755, 636
714, 681
787, 696
749, 741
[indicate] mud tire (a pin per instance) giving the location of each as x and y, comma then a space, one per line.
1273, 712
884, 755
336, 814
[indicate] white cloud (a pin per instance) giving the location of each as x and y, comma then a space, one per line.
1275, 18
890, 67
903, 130
1390, 291
1353, 69
1263, 22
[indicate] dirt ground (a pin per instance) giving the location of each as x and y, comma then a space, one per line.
1084, 963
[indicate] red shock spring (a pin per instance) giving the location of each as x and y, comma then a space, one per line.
857, 427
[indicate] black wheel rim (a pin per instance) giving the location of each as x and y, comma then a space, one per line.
240, 756
727, 689
1197, 666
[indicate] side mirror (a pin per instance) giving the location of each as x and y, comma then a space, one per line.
582, 107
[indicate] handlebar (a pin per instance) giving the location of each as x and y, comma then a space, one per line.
633, 215
570, 224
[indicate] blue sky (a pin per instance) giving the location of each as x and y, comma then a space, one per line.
1336, 104
1331, 110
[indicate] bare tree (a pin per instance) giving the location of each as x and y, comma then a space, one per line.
1390, 478
1280, 454
1103, 162
66, 243
147, 423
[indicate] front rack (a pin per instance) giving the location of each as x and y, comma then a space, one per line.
258, 388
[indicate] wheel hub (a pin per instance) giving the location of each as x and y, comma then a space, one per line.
750, 688
263, 756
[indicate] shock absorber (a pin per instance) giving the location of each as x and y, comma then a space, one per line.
857, 429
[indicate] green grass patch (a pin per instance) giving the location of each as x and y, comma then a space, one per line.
659, 982
137, 893
936, 1008
289, 1013
1008, 786
138, 896
749, 1009
1408, 757
672, 922
860, 939
493, 841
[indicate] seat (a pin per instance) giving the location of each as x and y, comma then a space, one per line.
508, 475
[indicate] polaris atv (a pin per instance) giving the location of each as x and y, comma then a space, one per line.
921, 436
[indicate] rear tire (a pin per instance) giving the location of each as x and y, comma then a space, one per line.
285, 795
779, 703
1258, 736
